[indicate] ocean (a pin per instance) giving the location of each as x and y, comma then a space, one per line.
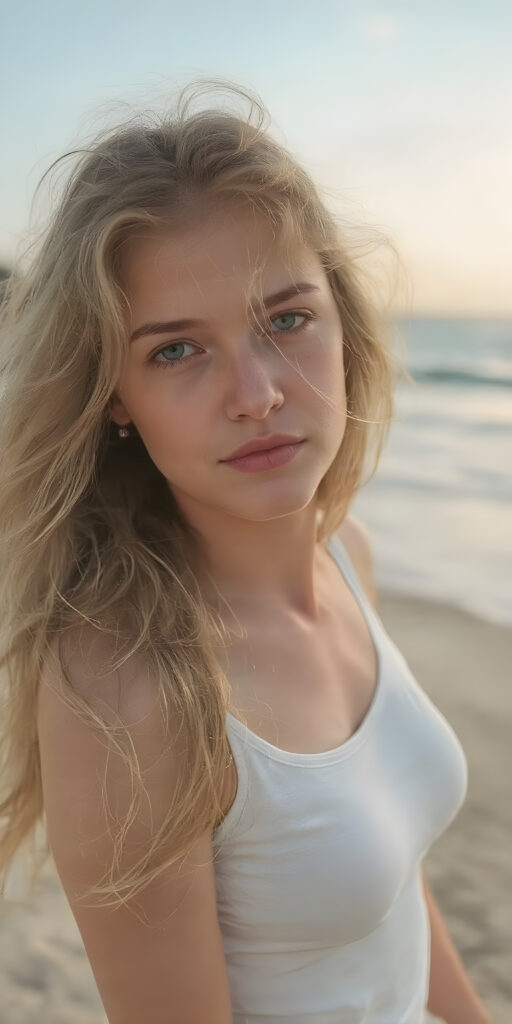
439, 505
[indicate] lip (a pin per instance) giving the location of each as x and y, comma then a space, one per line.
263, 444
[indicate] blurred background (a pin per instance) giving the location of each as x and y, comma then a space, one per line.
401, 112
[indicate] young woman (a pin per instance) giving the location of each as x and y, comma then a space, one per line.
238, 774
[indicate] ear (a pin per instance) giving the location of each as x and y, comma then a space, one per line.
118, 412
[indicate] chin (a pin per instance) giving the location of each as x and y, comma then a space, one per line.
272, 506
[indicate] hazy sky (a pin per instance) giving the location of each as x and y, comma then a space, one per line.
403, 110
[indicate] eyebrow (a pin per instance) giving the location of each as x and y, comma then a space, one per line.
180, 325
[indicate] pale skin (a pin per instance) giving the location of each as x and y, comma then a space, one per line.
258, 530
293, 617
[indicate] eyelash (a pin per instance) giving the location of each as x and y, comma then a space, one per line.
308, 317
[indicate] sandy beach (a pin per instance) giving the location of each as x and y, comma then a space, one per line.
464, 665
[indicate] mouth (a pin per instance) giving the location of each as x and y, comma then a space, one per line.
263, 444
266, 458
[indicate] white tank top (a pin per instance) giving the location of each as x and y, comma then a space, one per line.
318, 861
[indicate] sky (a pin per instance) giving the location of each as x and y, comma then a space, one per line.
400, 111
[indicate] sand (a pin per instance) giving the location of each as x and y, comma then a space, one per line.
464, 664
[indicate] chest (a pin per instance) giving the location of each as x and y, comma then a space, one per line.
305, 690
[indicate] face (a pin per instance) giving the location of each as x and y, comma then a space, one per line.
195, 394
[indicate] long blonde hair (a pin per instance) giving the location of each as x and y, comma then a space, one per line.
91, 534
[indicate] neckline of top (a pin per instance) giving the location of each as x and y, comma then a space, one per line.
336, 549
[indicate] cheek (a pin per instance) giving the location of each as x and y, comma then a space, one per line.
177, 429
161, 406
322, 367
323, 392
177, 453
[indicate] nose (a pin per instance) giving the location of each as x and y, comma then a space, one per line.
253, 387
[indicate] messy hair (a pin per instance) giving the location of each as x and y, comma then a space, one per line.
93, 543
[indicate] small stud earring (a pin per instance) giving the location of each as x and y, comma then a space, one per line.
124, 432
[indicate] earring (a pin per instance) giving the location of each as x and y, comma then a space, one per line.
123, 432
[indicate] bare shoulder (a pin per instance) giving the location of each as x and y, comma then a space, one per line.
357, 540
160, 956
355, 535
87, 656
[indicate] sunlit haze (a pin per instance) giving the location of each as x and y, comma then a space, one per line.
400, 111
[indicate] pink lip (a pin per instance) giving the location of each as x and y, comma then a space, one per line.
259, 444
270, 458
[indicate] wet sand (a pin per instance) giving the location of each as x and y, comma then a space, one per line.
464, 664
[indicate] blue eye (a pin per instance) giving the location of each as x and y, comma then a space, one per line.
292, 316
167, 363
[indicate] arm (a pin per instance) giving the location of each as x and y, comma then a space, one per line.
451, 994
159, 957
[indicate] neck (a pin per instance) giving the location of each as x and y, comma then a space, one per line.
272, 564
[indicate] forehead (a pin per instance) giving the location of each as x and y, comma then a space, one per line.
229, 252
